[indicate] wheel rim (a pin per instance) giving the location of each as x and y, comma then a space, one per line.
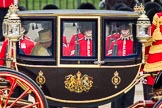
28, 89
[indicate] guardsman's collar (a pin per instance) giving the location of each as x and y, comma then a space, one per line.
125, 38
88, 38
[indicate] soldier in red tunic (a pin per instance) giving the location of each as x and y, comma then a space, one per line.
110, 39
81, 43
124, 45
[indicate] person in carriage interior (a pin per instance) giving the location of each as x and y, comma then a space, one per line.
119, 34
114, 35
44, 42
81, 42
122, 44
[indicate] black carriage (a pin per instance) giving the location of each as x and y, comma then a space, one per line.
71, 79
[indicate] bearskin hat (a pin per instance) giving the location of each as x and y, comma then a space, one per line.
50, 6
84, 26
151, 8
124, 27
125, 8
120, 6
86, 6
151, 5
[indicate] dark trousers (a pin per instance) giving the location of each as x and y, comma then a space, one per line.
124, 100
147, 91
3, 12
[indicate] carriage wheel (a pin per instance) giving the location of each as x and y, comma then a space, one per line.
17, 90
158, 104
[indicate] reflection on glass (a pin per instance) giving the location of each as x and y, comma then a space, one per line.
79, 35
119, 41
144, 31
14, 30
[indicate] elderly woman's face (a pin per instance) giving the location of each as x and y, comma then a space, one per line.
46, 44
88, 33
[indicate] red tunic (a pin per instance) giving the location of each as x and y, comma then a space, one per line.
149, 80
154, 60
3, 52
6, 3
124, 47
26, 44
110, 39
85, 45
65, 47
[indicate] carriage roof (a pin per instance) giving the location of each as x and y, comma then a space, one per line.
70, 12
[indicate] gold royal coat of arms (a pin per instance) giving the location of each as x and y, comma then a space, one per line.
78, 83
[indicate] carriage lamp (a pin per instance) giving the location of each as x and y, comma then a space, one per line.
143, 28
13, 26
12, 31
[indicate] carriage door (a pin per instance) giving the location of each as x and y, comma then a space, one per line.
79, 37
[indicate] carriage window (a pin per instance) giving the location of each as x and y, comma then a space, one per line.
37, 39
119, 40
79, 38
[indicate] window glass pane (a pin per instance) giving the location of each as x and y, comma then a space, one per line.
37, 38
119, 39
79, 38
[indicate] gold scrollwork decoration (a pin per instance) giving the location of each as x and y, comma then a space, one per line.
40, 79
116, 79
78, 83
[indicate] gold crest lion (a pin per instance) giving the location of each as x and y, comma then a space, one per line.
78, 83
